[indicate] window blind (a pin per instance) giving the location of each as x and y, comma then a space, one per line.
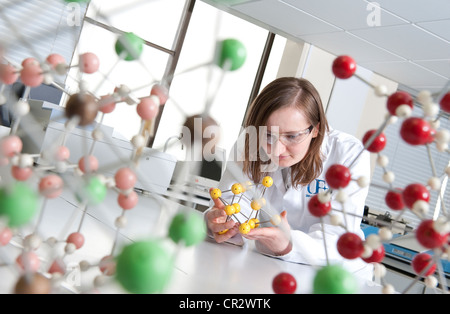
410, 164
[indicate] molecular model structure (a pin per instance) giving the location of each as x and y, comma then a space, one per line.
40, 265
432, 234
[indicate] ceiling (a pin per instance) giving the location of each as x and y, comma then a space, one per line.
407, 41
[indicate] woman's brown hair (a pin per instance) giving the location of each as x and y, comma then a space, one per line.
282, 92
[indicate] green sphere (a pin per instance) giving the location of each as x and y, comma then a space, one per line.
129, 46
19, 203
144, 267
94, 192
334, 279
187, 227
233, 51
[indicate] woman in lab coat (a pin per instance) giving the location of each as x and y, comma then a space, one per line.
295, 147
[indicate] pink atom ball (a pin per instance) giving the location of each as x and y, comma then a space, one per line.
31, 75
89, 164
125, 178
107, 104
62, 153
108, 265
89, 63
128, 201
55, 59
77, 239
5, 236
29, 261
147, 109
21, 174
10, 146
8, 74
51, 186
161, 91
58, 266
29, 61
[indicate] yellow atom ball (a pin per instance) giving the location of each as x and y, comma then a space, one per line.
230, 210
215, 193
237, 208
267, 181
254, 223
244, 228
223, 231
236, 188
255, 205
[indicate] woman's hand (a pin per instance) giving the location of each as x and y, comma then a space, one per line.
276, 239
216, 220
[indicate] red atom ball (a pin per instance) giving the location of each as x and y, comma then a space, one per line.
338, 176
394, 199
77, 239
377, 255
397, 99
317, 208
415, 131
350, 245
344, 67
378, 144
415, 192
421, 262
445, 103
284, 283
428, 236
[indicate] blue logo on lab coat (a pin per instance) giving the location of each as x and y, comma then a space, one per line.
315, 187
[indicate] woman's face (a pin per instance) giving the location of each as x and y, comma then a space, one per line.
290, 145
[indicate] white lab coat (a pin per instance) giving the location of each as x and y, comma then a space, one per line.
306, 230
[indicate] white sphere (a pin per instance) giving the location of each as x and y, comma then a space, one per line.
382, 160
421, 207
121, 222
379, 270
324, 197
363, 182
434, 183
70, 248
373, 241
21, 108
84, 265
442, 147
431, 282
389, 177
441, 225
335, 220
385, 234
61, 69
380, 90
442, 136
430, 109
368, 251
388, 289
435, 123
138, 141
424, 97
100, 281
392, 119
97, 135
341, 196
32, 241
403, 111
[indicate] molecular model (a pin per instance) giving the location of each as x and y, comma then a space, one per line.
233, 208
40, 265
432, 234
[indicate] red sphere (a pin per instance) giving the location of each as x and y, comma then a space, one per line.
338, 176
350, 245
415, 192
161, 91
378, 144
397, 99
128, 201
377, 255
394, 199
8, 74
421, 262
415, 131
284, 283
77, 239
344, 67
125, 178
317, 208
429, 237
445, 103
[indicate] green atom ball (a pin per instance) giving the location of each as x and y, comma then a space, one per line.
94, 192
144, 267
187, 227
333, 279
19, 203
233, 51
129, 46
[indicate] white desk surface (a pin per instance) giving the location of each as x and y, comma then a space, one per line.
208, 268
